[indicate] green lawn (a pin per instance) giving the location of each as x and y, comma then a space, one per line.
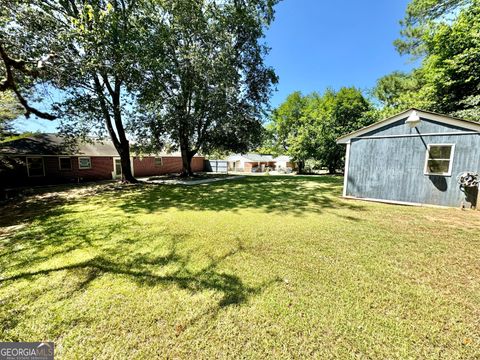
263, 267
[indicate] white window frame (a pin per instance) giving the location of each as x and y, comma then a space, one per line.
450, 161
60, 163
132, 167
28, 167
114, 175
84, 157
155, 161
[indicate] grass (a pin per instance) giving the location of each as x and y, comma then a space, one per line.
263, 267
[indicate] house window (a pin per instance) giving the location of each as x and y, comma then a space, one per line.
158, 161
439, 159
84, 163
65, 163
35, 166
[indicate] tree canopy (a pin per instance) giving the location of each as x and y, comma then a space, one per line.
421, 18
210, 86
306, 127
94, 48
445, 34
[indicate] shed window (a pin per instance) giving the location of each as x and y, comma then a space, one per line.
439, 159
65, 163
158, 161
35, 166
84, 163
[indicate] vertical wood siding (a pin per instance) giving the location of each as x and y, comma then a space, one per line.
393, 168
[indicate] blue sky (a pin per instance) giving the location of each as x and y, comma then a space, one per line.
317, 44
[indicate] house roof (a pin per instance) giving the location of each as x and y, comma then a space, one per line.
52, 144
55, 145
467, 124
283, 158
252, 157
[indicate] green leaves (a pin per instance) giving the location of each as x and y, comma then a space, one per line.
446, 34
421, 19
210, 87
306, 127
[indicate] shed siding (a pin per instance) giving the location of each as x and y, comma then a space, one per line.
393, 168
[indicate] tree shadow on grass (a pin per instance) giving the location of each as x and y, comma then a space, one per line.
45, 202
28, 254
295, 195
143, 269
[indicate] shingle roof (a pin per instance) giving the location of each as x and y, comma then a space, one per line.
52, 144
283, 158
253, 157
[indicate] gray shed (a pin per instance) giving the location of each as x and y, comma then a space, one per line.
414, 157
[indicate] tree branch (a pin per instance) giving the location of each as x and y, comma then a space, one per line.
9, 83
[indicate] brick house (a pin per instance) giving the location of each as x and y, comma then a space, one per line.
45, 159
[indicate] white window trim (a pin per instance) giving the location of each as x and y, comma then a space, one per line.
450, 163
28, 167
347, 165
84, 157
155, 161
114, 177
60, 163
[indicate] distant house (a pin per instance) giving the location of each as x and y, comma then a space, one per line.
284, 162
252, 162
46, 159
414, 157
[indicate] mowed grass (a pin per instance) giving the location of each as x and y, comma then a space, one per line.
263, 267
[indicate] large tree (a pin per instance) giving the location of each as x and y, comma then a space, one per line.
444, 33
94, 45
209, 88
399, 91
306, 127
337, 113
423, 16
286, 130
452, 64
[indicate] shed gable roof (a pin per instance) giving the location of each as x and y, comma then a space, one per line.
443, 119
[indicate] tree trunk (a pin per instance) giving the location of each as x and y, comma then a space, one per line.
124, 152
122, 144
187, 156
332, 169
301, 166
